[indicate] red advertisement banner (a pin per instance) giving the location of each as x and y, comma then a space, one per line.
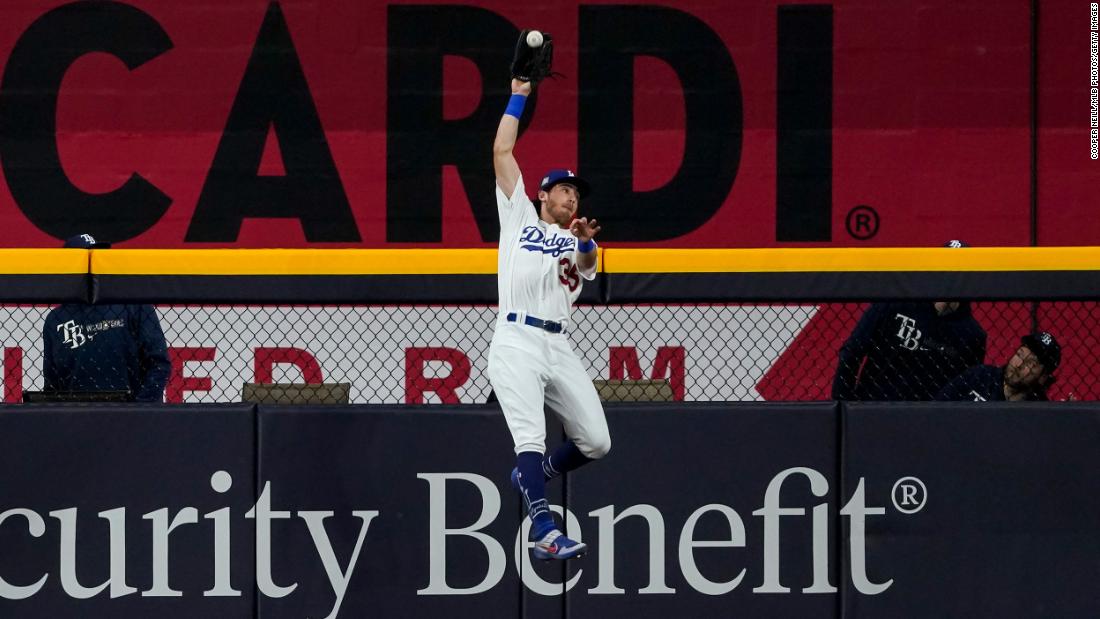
369, 124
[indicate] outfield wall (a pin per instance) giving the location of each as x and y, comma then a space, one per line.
702, 510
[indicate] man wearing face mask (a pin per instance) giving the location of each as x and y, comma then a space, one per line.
908, 350
1027, 375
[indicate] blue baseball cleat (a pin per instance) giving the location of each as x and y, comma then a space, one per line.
554, 545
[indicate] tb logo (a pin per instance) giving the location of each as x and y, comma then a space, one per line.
72, 334
908, 332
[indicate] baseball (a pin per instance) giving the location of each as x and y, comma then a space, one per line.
534, 39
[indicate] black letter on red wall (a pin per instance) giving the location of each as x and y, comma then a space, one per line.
28, 126
804, 121
610, 38
273, 95
419, 142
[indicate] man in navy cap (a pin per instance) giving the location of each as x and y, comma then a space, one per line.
546, 253
1027, 375
908, 350
104, 347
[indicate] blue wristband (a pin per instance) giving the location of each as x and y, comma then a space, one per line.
515, 106
586, 247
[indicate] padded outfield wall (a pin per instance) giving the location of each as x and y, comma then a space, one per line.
700, 510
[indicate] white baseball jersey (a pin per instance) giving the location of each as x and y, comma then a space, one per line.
530, 367
537, 269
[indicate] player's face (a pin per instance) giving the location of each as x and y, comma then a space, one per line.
1024, 369
560, 204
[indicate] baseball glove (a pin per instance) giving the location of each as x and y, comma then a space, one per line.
532, 64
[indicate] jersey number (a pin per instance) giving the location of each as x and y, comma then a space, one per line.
568, 275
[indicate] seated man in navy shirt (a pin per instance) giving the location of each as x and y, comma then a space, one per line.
1026, 376
104, 347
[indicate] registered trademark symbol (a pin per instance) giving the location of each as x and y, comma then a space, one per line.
862, 222
909, 495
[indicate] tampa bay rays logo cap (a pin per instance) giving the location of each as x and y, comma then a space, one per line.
1045, 347
561, 175
84, 241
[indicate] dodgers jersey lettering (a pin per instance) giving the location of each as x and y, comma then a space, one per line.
537, 269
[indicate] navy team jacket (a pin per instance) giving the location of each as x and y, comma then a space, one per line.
906, 351
105, 348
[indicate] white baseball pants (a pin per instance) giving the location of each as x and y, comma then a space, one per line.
530, 368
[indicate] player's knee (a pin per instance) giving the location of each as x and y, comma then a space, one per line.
536, 447
598, 447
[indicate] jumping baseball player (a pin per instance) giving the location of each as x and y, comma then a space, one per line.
545, 254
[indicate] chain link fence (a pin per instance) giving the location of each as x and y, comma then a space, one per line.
438, 354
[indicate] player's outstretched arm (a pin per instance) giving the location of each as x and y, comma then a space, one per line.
504, 162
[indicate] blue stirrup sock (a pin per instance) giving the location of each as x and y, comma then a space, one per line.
565, 458
533, 487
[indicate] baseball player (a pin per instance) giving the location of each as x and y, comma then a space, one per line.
104, 347
1027, 375
545, 255
908, 350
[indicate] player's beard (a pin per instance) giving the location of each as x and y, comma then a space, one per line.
1014, 379
561, 214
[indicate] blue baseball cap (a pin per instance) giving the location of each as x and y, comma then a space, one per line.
84, 241
561, 175
956, 243
1043, 345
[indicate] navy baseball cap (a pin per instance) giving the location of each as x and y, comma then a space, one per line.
554, 177
84, 241
1045, 347
956, 243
